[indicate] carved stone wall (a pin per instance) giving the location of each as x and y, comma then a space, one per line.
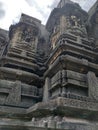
48, 74
67, 83
63, 123
93, 85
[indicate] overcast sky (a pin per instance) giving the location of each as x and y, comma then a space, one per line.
10, 10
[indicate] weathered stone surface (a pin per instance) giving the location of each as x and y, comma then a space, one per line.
14, 97
93, 85
64, 123
66, 107
92, 25
48, 79
46, 90
67, 9
3, 42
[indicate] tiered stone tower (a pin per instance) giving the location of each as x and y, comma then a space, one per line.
21, 69
49, 76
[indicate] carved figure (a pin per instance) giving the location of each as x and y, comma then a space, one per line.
27, 35
75, 21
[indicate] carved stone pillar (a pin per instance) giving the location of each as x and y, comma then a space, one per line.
46, 87
14, 97
63, 91
64, 75
93, 85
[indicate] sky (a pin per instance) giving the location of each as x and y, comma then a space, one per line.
10, 10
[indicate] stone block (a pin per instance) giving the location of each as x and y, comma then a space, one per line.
14, 97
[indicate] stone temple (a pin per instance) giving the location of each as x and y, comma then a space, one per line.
49, 74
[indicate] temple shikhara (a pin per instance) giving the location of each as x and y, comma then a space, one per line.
49, 73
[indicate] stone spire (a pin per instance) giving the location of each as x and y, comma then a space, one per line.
63, 2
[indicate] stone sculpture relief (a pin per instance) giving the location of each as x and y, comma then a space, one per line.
75, 26
27, 35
